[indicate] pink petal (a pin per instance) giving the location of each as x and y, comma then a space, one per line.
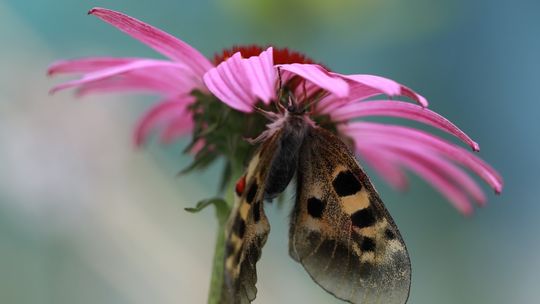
440, 165
433, 176
405, 91
229, 84
403, 110
384, 86
86, 65
357, 92
162, 114
388, 170
262, 75
198, 146
318, 76
309, 89
131, 83
422, 141
178, 127
426, 165
143, 64
160, 41
164, 80
240, 82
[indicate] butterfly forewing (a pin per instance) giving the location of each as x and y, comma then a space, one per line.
340, 230
247, 228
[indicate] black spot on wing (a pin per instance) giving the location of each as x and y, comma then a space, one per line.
229, 249
368, 244
346, 184
315, 207
257, 211
251, 193
239, 227
363, 218
389, 234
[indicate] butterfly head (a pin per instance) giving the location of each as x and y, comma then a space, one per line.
295, 108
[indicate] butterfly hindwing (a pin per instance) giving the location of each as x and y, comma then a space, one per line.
247, 228
340, 230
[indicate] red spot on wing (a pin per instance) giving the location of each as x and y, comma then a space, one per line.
240, 186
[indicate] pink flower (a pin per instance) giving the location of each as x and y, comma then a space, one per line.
244, 78
173, 79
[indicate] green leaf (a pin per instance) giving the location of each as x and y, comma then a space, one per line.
222, 208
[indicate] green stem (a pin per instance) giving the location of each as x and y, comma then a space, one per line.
216, 280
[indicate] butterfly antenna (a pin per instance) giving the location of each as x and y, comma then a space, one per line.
279, 79
281, 89
318, 96
269, 115
290, 102
279, 106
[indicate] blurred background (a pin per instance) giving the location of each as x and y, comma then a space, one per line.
86, 218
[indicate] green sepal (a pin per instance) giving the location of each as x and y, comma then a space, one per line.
223, 131
201, 161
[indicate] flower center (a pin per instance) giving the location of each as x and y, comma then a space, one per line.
281, 55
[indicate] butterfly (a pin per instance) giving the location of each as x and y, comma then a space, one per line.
340, 231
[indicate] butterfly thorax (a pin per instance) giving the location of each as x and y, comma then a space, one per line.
293, 127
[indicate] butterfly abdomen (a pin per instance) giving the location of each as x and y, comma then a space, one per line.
285, 159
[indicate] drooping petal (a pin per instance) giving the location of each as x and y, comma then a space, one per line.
176, 128
87, 65
447, 177
444, 168
357, 92
131, 83
408, 138
162, 79
308, 91
159, 40
166, 81
318, 76
162, 115
388, 170
402, 110
240, 82
405, 91
382, 86
432, 175
143, 64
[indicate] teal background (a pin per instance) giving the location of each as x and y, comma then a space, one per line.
86, 218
